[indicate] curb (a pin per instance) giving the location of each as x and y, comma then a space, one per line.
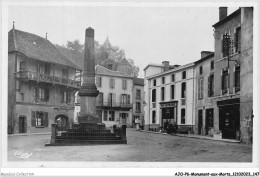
180, 135
28, 134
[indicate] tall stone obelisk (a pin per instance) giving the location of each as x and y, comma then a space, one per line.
88, 91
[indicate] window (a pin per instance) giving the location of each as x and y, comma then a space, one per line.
111, 115
98, 81
41, 94
225, 81
65, 96
154, 82
184, 75
173, 77
162, 93
237, 78
124, 98
154, 117
211, 85
111, 98
138, 107
183, 116
39, 119
225, 45
183, 90
200, 89
112, 83
201, 70
105, 115
124, 84
238, 39
172, 91
22, 66
138, 94
22, 96
211, 65
154, 95
163, 80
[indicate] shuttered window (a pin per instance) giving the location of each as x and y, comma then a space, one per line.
112, 83
225, 81
41, 94
237, 78
200, 89
98, 81
211, 85
39, 119
124, 84
65, 96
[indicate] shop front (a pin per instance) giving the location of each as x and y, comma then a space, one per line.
169, 113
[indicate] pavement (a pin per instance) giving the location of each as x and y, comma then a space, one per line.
140, 147
196, 136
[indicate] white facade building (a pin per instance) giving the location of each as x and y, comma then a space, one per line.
169, 96
114, 102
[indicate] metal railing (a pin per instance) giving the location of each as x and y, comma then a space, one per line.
29, 75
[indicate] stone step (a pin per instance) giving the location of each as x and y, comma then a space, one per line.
73, 142
88, 138
89, 134
86, 130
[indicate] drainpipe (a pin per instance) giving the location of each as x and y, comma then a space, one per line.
194, 104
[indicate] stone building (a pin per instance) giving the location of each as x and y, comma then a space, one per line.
115, 100
41, 84
246, 75
204, 93
138, 99
230, 65
169, 96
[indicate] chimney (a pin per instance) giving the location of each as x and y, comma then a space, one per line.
222, 13
166, 65
205, 53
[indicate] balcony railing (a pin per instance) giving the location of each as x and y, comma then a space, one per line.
29, 75
114, 104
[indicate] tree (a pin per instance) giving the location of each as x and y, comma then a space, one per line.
74, 51
75, 46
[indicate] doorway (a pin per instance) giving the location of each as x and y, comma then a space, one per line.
200, 115
209, 122
22, 124
229, 118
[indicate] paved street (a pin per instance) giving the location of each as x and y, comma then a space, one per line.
141, 146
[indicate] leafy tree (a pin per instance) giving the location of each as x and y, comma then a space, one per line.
74, 51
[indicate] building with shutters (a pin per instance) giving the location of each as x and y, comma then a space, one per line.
204, 95
233, 74
138, 100
169, 96
114, 102
41, 84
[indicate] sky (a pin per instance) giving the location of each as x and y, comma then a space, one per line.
147, 34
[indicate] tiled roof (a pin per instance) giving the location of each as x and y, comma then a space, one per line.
104, 71
138, 81
36, 47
